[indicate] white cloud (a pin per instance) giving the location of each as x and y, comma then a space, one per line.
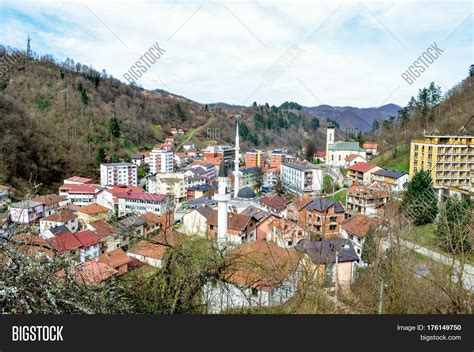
219, 53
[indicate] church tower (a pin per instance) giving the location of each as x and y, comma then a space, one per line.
329, 141
222, 198
236, 162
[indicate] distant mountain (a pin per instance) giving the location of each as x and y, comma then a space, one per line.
352, 117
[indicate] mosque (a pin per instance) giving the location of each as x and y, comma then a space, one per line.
235, 201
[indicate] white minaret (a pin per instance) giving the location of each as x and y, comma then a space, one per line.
236, 162
329, 141
222, 198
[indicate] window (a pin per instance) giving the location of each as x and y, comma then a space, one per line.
254, 292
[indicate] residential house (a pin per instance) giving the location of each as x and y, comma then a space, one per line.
367, 200
138, 159
195, 221
152, 223
109, 239
285, 233
334, 262
320, 156
263, 275
323, 217
371, 149
116, 259
188, 145
352, 159
26, 212
32, 245
271, 177
130, 229
92, 212
198, 191
55, 231
64, 217
396, 179
51, 202
66, 243
90, 245
274, 204
241, 228
263, 219
152, 251
361, 173
357, 228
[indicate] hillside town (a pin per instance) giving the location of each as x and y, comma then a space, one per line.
268, 205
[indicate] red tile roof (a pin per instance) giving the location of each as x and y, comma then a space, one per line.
142, 196
92, 272
124, 189
80, 179
102, 229
85, 189
261, 264
63, 215
235, 221
359, 225
351, 157
362, 167
49, 199
320, 154
157, 246
274, 202
87, 238
65, 242
115, 258
93, 209
370, 145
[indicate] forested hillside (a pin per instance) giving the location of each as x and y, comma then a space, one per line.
58, 119
432, 110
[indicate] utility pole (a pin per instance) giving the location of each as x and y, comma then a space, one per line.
381, 297
28, 47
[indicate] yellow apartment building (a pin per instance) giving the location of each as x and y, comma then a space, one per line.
449, 159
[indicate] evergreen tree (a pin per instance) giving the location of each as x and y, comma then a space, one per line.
100, 155
368, 248
114, 128
315, 123
420, 199
375, 126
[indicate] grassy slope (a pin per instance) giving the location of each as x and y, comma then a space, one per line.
401, 161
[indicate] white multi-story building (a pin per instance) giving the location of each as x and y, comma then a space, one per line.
299, 179
80, 194
172, 184
113, 174
140, 203
161, 161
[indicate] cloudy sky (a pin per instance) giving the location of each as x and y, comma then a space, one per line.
337, 53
